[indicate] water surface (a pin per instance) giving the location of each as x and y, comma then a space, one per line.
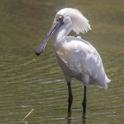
29, 82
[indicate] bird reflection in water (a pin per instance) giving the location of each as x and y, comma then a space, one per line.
69, 118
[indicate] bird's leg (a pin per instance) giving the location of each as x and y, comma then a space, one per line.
70, 97
84, 103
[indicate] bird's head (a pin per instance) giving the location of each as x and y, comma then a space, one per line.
79, 24
69, 15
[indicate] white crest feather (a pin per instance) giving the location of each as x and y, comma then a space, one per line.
80, 23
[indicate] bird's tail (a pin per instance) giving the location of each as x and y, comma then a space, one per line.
107, 80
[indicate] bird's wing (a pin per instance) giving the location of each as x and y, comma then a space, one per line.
78, 54
81, 57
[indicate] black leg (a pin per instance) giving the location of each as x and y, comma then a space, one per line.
84, 103
70, 97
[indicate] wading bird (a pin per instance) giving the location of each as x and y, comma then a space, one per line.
76, 56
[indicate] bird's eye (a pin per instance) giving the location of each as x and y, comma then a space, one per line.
60, 18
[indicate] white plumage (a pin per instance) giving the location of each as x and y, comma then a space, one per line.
77, 57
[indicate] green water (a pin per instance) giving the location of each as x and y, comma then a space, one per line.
30, 82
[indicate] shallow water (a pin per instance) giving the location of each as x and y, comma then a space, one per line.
29, 82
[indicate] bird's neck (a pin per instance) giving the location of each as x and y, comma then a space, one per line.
62, 33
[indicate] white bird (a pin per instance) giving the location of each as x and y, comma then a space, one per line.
76, 56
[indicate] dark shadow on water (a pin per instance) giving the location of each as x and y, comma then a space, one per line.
69, 119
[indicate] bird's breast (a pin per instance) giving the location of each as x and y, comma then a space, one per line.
64, 52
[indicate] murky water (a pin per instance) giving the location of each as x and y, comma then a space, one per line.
28, 82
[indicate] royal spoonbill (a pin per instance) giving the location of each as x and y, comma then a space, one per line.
76, 56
